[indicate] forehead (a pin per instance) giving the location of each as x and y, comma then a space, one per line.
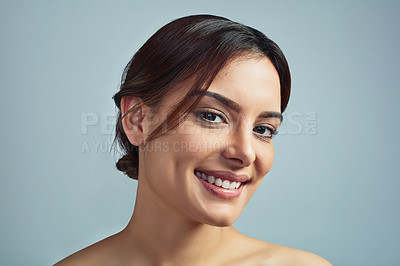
251, 82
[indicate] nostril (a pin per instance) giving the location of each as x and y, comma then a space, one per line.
239, 150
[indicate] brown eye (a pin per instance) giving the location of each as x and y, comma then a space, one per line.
211, 117
265, 132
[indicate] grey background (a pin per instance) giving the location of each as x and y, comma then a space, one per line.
334, 186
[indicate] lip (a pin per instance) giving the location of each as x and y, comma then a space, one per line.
221, 192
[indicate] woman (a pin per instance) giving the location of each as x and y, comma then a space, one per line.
199, 104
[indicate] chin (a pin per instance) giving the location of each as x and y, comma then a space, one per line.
220, 221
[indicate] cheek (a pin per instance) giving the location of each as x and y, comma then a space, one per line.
156, 162
195, 141
163, 169
175, 153
265, 159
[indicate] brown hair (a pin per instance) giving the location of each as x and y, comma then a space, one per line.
196, 48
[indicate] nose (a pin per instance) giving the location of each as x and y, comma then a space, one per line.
239, 149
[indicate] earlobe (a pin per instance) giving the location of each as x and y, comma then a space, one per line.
132, 119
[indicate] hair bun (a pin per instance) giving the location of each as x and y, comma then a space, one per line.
129, 165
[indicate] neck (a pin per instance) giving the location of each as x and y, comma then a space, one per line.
159, 233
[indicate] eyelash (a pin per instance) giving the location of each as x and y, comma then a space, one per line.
270, 129
203, 114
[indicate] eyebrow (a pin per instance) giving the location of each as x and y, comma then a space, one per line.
236, 107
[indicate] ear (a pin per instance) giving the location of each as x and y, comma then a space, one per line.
131, 107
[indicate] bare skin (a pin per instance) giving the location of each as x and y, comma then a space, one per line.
120, 249
176, 220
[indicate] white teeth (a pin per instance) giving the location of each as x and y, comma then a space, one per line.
237, 185
211, 179
218, 182
203, 176
225, 184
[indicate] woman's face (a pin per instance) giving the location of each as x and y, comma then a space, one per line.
225, 140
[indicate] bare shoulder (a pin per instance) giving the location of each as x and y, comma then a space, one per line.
291, 256
96, 254
78, 258
265, 253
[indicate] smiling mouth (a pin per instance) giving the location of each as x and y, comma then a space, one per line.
219, 182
